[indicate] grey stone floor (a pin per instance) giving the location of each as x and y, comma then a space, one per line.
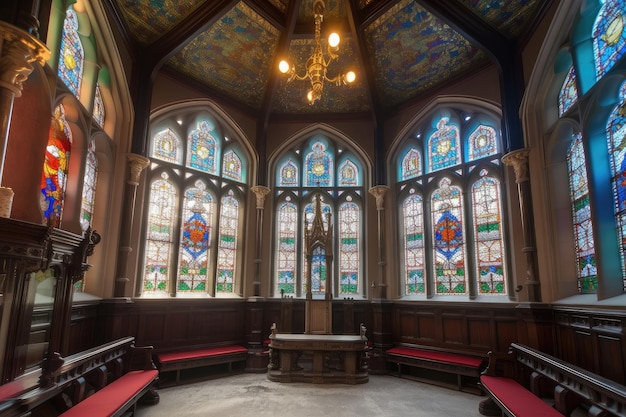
254, 395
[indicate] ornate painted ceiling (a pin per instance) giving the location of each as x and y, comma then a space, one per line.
399, 49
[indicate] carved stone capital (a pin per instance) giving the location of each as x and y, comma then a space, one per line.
260, 191
136, 164
379, 192
519, 161
18, 50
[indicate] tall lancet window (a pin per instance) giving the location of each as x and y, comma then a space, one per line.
318, 164
72, 55
451, 213
197, 194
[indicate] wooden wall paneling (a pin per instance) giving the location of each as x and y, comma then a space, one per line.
83, 326
426, 327
407, 323
177, 326
454, 329
478, 332
609, 337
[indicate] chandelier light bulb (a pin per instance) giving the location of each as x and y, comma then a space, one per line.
309, 95
333, 40
283, 66
350, 76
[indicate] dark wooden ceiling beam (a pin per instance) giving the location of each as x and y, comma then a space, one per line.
364, 59
476, 31
267, 105
268, 12
116, 19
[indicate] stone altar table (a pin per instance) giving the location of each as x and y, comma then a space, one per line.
318, 358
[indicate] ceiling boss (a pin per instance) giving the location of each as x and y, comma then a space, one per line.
317, 63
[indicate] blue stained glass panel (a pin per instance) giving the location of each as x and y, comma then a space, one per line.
413, 222
448, 238
609, 36
348, 174
568, 95
319, 167
411, 164
202, 153
482, 142
72, 55
581, 216
443, 146
198, 208
166, 146
288, 174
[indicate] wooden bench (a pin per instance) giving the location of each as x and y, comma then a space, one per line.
106, 380
177, 361
518, 382
466, 366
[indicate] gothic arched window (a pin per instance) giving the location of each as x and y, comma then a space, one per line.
451, 216
337, 174
193, 244
609, 36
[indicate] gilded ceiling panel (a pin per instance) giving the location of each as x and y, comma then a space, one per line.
149, 19
233, 56
291, 96
509, 17
412, 51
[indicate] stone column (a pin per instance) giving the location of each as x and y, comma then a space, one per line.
519, 161
18, 51
379, 192
136, 164
260, 192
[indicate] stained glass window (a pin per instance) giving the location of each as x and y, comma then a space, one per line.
581, 214
202, 225
318, 259
411, 164
288, 174
232, 166
616, 129
166, 146
98, 107
227, 243
341, 189
489, 250
568, 95
89, 187
609, 36
413, 221
349, 221
160, 231
448, 239
202, 151
348, 174
286, 256
195, 243
55, 168
319, 167
72, 56
443, 146
482, 142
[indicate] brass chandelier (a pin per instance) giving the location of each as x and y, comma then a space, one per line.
317, 64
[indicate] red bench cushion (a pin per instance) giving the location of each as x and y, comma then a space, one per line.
200, 353
517, 398
110, 398
454, 358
